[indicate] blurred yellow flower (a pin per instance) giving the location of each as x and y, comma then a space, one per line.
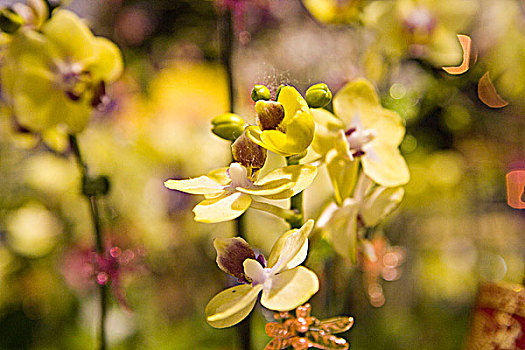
284, 284
57, 76
230, 191
421, 28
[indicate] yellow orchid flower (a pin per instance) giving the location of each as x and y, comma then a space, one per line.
284, 284
230, 191
58, 75
366, 208
363, 131
421, 28
286, 127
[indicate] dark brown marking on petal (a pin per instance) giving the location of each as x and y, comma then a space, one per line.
270, 116
231, 254
248, 153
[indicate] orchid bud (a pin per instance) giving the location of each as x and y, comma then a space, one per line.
318, 95
10, 21
260, 92
269, 114
248, 153
228, 126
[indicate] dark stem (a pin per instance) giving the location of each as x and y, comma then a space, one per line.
226, 50
99, 241
226, 53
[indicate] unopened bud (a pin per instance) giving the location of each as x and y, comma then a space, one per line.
228, 126
248, 153
260, 92
318, 95
269, 114
10, 21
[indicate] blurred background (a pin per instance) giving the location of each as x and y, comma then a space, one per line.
453, 230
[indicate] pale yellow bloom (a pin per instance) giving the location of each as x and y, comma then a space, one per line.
230, 191
283, 283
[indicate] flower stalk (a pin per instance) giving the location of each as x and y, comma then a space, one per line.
99, 239
226, 53
296, 202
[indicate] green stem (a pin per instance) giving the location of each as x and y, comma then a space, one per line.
296, 202
286, 214
99, 240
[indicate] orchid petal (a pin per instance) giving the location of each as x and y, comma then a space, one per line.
108, 65
231, 253
292, 102
270, 188
69, 35
223, 208
299, 135
354, 97
343, 175
341, 229
232, 305
198, 185
381, 202
300, 177
389, 168
39, 106
289, 289
220, 175
255, 271
359, 99
289, 248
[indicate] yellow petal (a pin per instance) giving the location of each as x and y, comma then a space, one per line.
269, 188
444, 48
385, 165
69, 35
327, 126
74, 114
341, 229
292, 102
290, 289
56, 139
232, 305
223, 208
38, 106
343, 175
107, 65
299, 135
387, 124
353, 97
220, 175
289, 248
34, 101
381, 202
327, 120
299, 176
198, 185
